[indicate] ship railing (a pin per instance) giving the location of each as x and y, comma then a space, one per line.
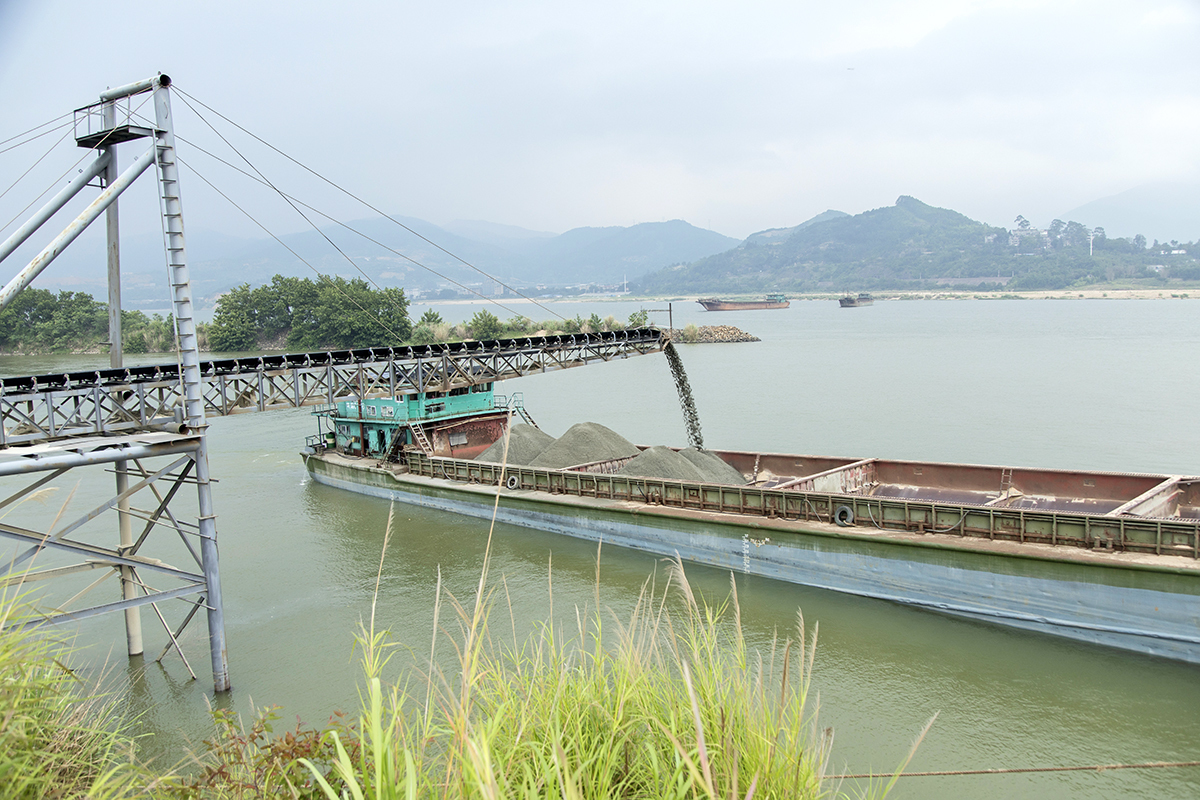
515, 401
1096, 532
516, 404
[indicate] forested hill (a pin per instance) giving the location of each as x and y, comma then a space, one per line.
912, 244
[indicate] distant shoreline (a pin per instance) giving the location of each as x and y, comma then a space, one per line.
1191, 293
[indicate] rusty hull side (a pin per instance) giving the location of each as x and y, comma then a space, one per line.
481, 432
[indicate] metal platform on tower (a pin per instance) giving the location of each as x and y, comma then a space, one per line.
45, 436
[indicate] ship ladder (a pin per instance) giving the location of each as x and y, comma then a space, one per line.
518, 405
1006, 482
421, 439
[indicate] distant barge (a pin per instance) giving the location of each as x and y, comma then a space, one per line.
1107, 558
771, 301
850, 301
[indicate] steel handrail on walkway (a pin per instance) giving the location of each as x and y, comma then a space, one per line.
54, 406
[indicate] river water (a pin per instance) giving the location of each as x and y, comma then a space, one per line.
1095, 384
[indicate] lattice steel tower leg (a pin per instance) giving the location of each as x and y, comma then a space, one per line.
129, 588
181, 291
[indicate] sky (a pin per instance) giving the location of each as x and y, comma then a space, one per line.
553, 115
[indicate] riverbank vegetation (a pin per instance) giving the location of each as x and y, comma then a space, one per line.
288, 313
670, 702
58, 736
40, 321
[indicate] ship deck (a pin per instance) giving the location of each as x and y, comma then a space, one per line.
1118, 518
1177, 563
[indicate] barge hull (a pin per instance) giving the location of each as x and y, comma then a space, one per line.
743, 305
1150, 611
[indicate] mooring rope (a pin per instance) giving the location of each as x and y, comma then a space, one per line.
1016, 770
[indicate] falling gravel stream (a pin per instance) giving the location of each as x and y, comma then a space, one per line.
691, 419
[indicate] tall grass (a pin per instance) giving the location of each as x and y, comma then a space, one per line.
58, 735
667, 703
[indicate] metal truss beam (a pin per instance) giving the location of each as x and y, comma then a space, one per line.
120, 605
64, 455
52, 424
126, 561
44, 408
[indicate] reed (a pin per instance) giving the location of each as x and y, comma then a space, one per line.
667, 703
60, 737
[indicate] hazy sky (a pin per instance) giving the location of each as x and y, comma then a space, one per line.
734, 116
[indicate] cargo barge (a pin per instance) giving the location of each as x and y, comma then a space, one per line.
771, 301
1107, 558
850, 301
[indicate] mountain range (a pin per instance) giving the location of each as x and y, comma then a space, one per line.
1162, 211
912, 245
466, 252
886, 247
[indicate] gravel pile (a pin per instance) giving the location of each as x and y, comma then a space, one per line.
715, 334
589, 441
663, 462
712, 467
525, 443
582, 444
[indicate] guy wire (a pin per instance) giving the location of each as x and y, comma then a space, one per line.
355, 197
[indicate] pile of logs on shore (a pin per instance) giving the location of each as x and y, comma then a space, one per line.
711, 334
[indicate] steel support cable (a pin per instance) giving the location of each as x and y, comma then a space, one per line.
290, 199
60, 177
356, 198
34, 128
355, 231
324, 277
31, 169
286, 199
35, 138
45, 191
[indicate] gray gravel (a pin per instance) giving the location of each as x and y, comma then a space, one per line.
714, 334
712, 467
525, 443
588, 442
663, 462
582, 444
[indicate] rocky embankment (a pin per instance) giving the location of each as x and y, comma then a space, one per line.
711, 334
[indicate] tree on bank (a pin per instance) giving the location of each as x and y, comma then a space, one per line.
38, 319
485, 325
301, 314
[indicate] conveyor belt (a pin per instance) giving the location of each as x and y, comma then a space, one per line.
89, 402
